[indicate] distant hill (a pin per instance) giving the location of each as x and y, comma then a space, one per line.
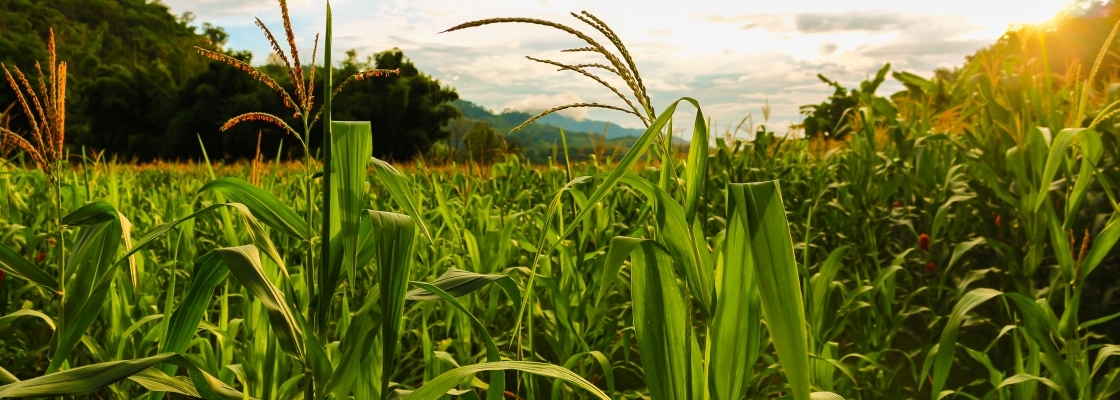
540, 141
514, 118
589, 125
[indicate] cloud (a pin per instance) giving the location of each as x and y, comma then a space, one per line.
538, 103
767, 21
828, 48
864, 21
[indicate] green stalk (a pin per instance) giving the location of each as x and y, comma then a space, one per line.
325, 238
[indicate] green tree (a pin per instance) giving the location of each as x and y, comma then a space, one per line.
409, 112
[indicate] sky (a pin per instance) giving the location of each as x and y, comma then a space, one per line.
734, 57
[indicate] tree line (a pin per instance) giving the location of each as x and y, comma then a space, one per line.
138, 89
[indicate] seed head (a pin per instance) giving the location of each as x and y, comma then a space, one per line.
923, 242
931, 267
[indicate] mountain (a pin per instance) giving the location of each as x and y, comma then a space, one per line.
539, 141
513, 118
588, 125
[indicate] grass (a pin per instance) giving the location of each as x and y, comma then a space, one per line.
919, 259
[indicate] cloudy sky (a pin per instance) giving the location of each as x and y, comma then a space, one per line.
732, 56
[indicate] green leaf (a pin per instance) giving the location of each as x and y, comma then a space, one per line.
948, 344
1101, 245
459, 283
256, 233
90, 378
1091, 150
987, 175
14, 264
696, 171
683, 241
1055, 157
627, 162
660, 321
1020, 378
7, 377
343, 191
777, 280
618, 251
820, 286
437, 387
355, 347
266, 207
400, 188
209, 270
1041, 326
7, 319
91, 268
737, 326
157, 381
820, 396
245, 264
960, 249
393, 238
497, 379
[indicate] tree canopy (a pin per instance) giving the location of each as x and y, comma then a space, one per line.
139, 89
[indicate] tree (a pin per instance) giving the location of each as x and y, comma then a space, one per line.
408, 113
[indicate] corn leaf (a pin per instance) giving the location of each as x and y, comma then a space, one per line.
446, 381
265, 206
497, 378
90, 378
183, 322
683, 241
696, 171
1054, 159
459, 283
7, 319
393, 238
948, 343
91, 268
245, 264
737, 326
400, 188
14, 264
777, 280
660, 322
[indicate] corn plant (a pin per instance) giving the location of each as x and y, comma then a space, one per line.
759, 245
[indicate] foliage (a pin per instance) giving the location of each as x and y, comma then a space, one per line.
139, 90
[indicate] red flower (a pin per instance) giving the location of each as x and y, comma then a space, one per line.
42, 256
1, 276
897, 204
998, 220
931, 267
923, 242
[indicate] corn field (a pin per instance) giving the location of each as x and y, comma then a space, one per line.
943, 250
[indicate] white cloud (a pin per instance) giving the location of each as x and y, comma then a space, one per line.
539, 103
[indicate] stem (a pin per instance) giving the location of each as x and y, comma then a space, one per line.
61, 252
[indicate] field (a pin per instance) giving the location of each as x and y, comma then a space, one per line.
955, 239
